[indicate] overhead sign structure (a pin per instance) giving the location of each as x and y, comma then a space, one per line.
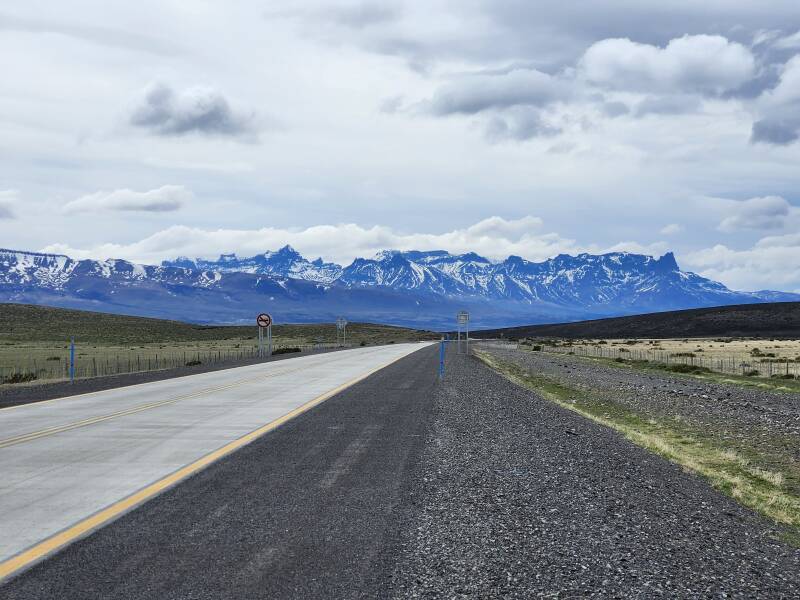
462, 319
264, 321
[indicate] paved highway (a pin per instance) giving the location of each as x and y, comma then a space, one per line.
72, 464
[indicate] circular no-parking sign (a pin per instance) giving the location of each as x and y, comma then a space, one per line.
264, 320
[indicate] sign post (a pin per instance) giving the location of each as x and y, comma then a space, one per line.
462, 319
72, 360
264, 321
441, 358
341, 327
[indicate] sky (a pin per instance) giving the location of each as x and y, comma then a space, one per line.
152, 130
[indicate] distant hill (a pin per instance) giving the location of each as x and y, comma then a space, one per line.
778, 320
27, 323
411, 289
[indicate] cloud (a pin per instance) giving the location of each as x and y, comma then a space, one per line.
105, 36
769, 212
780, 109
671, 229
790, 42
513, 101
519, 123
164, 199
494, 237
8, 202
202, 110
476, 93
668, 105
769, 264
707, 64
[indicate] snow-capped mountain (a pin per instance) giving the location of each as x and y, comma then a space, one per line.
408, 288
286, 262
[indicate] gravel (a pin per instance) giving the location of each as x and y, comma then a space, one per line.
754, 416
514, 496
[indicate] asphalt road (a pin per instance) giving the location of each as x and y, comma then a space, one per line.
65, 460
400, 486
307, 511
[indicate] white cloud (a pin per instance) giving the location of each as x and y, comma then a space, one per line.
789, 42
772, 263
692, 63
494, 237
769, 212
164, 199
671, 229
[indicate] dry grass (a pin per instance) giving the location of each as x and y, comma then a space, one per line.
745, 479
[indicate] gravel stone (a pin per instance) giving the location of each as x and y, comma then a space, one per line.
516, 497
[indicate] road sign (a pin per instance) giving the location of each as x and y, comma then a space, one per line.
341, 325
462, 318
264, 321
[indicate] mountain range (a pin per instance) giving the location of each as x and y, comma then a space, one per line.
411, 288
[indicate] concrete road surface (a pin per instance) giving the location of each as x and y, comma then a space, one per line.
72, 464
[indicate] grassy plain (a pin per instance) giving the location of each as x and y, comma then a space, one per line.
36, 339
757, 358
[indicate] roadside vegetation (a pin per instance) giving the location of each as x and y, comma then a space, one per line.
764, 478
766, 363
34, 342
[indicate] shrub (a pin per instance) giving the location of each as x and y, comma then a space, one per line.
619, 359
287, 350
784, 376
363, 343
536, 348
752, 373
687, 369
684, 354
53, 358
19, 378
194, 363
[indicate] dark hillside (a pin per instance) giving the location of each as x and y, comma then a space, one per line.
778, 319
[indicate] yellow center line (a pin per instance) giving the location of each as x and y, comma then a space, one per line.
56, 542
34, 435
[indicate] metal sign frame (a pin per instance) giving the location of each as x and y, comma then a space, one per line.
264, 321
341, 329
462, 320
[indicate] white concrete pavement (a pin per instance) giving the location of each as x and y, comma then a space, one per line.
63, 460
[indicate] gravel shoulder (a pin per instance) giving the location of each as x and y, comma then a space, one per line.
516, 496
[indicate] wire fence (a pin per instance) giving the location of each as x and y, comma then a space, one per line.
753, 366
101, 365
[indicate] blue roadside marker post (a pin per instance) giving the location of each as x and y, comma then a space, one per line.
441, 359
72, 360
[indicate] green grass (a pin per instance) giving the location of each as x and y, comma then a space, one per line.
766, 481
27, 323
35, 339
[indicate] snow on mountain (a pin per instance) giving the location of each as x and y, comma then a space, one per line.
409, 288
286, 262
